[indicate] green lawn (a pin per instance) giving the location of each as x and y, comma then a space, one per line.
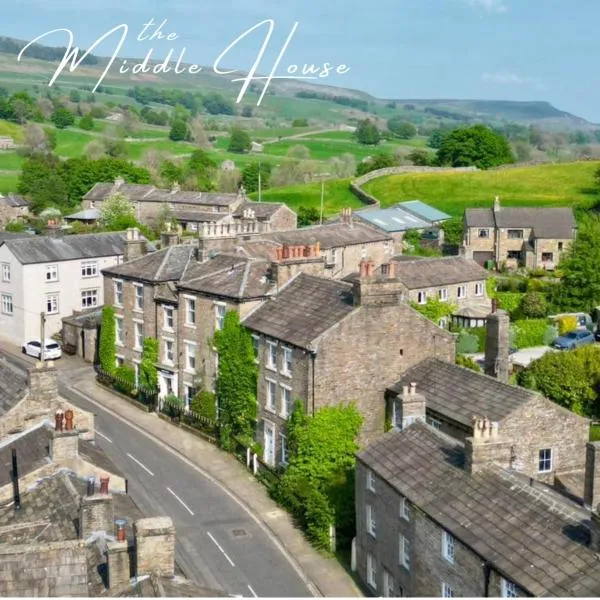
324, 150
8, 182
71, 143
11, 130
568, 184
337, 196
10, 161
595, 433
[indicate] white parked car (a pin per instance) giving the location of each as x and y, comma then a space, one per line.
33, 348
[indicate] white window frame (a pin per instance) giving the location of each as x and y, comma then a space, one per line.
545, 460
371, 521
52, 272
286, 365
363, 252
404, 552
168, 314
136, 370
421, 297
256, 347
188, 394
284, 449
271, 364
190, 311
271, 401
461, 292
91, 266
188, 356
371, 571
435, 423
92, 295
52, 308
286, 403
169, 344
405, 509
508, 588
118, 290
139, 297
220, 318
138, 327
479, 289
333, 256
370, 480
448, 547
389, 589
485, 235
447, 591
119, 329
119, 360
6, 272
7, 305
443, 295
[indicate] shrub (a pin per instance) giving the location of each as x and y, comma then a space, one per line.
125, 379
550, 335
538, 272
530, 333
468, 362
467, 343
481, 333
510, 302
534, 305
536, 285
490, 287
205, 404
148, 372
566, 323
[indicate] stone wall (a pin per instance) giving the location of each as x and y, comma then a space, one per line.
155, 546
471, 299
284, 219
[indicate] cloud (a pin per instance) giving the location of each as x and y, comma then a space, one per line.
491, 6
507, 78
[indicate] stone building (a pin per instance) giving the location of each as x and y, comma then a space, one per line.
12, 208
328, 342
535, 238
193, 210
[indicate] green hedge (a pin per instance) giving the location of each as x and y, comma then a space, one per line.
532, 332
510, 302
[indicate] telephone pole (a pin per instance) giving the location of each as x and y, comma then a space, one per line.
259, 183
42, 336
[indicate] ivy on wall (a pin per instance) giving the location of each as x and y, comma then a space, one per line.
148, 372
107, 345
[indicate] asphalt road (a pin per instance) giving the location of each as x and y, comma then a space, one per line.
219, 544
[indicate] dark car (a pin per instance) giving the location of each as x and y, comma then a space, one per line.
573, 339
597, 335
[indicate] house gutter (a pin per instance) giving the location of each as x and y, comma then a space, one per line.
313, 355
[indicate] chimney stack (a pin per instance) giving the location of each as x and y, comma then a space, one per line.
411, 406
135, 245
96, 512
169, 237
64, 445
497, 352
486, 446
155, 546
118, 557
377, 289
591, 492
43, 387
496, 203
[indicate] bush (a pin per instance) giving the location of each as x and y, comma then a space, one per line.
205, 404
481, 334
550, 335
467, 343
530, 333
467, 362
534, 305
566, 323
510, 302
124, 379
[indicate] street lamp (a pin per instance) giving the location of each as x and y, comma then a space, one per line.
323, 176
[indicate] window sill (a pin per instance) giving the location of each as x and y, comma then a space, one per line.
271, 368
190, 371
138, 310
287, 374
283, 463
374, 536
271, 410
120, 344
284, 416
189, 325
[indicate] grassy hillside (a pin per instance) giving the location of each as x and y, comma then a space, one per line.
568, 184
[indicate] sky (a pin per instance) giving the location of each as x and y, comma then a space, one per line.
402, 49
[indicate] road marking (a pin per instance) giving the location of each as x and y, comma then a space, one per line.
180, 501
134, 459
221, 549
103, 436
252, 591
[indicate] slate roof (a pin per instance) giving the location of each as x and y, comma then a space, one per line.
33, 449
43, 249
434, 272
229, 276
101, 191
198, 216
89, 214
262, 210
547, 223
392, 219
13, 386
13, 235
424, 211
185, 197
459, 393
163, 265
304, 308
529, 535
166, 587
329, 235
13, 201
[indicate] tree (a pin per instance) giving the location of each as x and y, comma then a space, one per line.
247, 111
202, 169
117, 213
579, 287
198, 134
318, 484
75, 96
367, 133
304, 123
106, 346
86, 123
35, 139
216, 104
239, 142
477, 146
382, 160
236, 380
402, 129
62, 117
534, 305
436, 138
419, 158
164, 216
228, 181
308, 215
179, 131
41, 182
250, 176
148, 372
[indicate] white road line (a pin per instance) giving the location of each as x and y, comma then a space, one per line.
221, 549
103, 436
134, 459
180, 501
252, 591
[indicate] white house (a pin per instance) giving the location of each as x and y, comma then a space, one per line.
53, 275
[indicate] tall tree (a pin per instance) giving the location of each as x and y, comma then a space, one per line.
367, 133
402, 129
239, 141
117, 213
250, 176
477, 146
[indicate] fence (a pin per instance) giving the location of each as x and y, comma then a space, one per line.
179, 414
148, 398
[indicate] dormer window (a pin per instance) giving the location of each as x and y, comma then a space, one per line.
515, 234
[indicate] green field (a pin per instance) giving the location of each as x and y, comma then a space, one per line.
568, 184
10, 161
8, 182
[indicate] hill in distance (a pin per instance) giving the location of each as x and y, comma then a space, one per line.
40, 61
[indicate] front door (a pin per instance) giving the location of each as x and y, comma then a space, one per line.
269, 455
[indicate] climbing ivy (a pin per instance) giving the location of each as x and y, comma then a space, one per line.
236, 380
148, 378
107, 350
435, 310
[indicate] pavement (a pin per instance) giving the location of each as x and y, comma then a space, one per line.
230, 534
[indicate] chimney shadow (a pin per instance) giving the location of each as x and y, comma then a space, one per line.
580, 534
454, 456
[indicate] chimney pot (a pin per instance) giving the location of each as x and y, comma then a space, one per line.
69, 420
405, 390
413, 388
91, 486
121, 530
104, 484
58, 420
